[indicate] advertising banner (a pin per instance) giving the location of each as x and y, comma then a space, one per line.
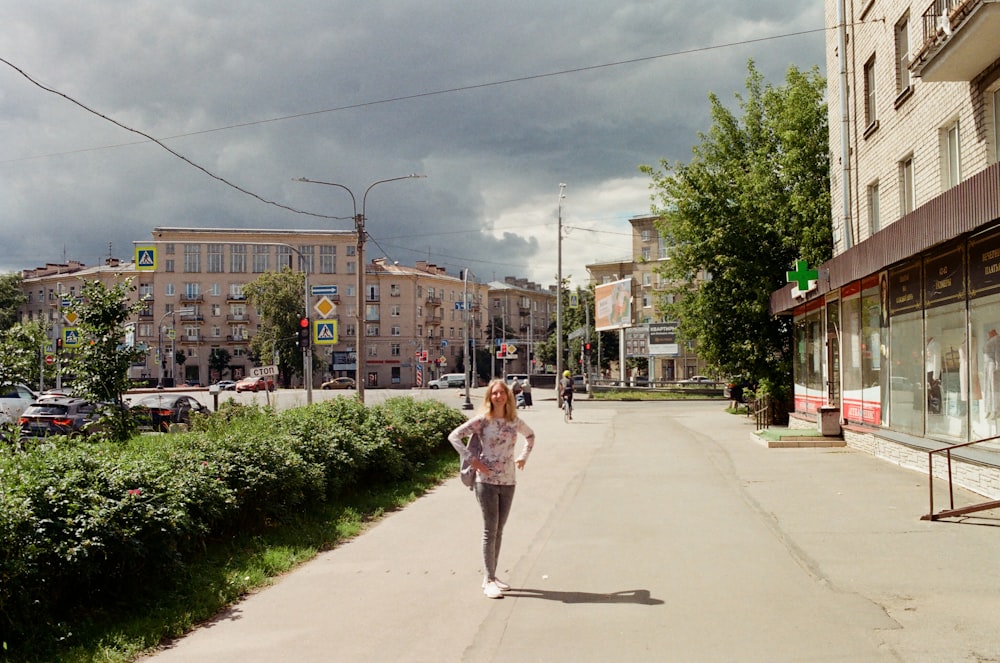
613, 305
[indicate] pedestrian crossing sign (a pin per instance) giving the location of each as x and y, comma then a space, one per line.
145, 258
325, 332
71, 337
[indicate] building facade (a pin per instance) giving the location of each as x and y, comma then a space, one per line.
520, 314
652, 337
896, 330
191, 281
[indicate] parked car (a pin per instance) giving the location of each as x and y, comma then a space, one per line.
579, 384
698, 379
158, 411
254, 384
14, 399
57, 415
339, 383
225, 385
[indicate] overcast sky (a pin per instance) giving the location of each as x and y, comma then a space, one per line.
495, 104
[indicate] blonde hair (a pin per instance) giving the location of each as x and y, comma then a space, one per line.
510, 406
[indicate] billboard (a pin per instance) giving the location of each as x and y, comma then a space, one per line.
613, 305
663, 339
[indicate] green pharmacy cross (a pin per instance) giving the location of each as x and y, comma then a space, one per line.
802, 275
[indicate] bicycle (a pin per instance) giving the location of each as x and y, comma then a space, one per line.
567, 407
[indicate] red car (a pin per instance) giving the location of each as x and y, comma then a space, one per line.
255, 384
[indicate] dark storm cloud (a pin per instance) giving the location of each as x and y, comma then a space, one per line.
367, 91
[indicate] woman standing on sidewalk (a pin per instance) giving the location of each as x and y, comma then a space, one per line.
498, 426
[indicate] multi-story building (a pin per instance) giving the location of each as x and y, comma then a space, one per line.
191, 281
896, 332
519, 316
652, 337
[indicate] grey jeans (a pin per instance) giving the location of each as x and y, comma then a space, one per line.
495, 502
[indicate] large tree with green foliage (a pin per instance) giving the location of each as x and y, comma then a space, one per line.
20, 354
754, 198
101, 361
12, 297
278, 298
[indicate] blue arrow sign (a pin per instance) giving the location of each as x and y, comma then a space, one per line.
318, 290
459, 306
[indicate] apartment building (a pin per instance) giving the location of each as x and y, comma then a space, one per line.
651, 337
896, 332
519, 316
191, 281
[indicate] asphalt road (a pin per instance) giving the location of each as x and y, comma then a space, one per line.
644, 532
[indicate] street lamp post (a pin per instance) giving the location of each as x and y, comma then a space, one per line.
559, 343
159, 342
470, 371
359, 225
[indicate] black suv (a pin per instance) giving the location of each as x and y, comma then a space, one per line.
61, 415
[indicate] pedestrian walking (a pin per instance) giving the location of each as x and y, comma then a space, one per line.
526, 391
498, 426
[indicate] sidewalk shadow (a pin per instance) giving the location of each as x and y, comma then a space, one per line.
637, 596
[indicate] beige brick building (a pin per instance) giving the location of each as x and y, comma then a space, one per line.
894, 334
520, 313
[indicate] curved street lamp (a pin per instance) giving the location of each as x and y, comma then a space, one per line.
359, 225
559, 335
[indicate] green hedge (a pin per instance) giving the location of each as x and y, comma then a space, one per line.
89, 526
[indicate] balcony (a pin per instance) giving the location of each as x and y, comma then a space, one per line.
189, 339
191, 298
961, 38
233, 298
238, 318
238, 340
192, 317
433, 300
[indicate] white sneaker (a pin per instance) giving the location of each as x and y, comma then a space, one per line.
504, 587
492, 591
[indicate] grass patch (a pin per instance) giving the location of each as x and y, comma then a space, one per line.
233, 568
650, 395
778, 434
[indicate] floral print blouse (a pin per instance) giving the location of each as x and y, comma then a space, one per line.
499, 438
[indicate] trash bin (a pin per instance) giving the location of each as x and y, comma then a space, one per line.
828, 420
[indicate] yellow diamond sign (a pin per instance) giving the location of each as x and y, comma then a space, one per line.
325, 307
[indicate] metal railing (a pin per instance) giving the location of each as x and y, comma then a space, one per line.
951, 511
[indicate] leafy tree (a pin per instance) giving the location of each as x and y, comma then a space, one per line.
12, 297
754, 198
218, 360
278, 298
20, 346
101, 362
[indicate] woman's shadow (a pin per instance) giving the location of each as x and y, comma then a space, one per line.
637, 596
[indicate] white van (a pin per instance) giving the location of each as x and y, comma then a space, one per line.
14, 399
448, 380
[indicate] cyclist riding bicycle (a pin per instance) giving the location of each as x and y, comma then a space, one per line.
566, 395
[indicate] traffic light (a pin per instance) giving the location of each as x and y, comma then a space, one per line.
304, 333
586, 349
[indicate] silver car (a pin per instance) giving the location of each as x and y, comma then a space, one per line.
14, 400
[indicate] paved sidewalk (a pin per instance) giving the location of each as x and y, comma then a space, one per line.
645, 532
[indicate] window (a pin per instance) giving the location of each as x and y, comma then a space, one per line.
350, 250
192, 257
192, 290
215, 258
168, 265
373, 349
372, 312
283, 257
261, 259
328, 260
394, 310
645, 235
951, 161
169, 291
371, 330
394, 290
906, 185
238, 259
903, 54
351, 267
874, 221
395, 349
307, 258
645, 253
395, 330
870, 109
236, 291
